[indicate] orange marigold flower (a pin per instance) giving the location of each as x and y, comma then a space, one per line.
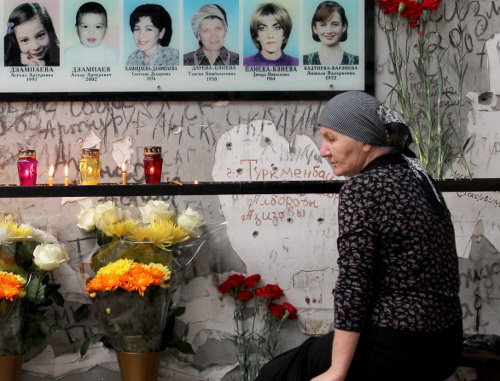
11, 285
132, 277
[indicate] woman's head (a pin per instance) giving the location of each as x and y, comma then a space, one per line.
353, 131
270, 27
31, 33
329, 18
151, 25
209, 25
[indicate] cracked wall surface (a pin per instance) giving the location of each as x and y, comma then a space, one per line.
288, 239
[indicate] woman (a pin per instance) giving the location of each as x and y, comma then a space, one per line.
209, 24
151, 25
329, 26
270, 28
31, 39
397, 310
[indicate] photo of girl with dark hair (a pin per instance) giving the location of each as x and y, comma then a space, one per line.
31, 39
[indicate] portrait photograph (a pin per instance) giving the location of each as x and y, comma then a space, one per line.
92, 33
211, 33
331, 34
151, 33
32, 33
271, 33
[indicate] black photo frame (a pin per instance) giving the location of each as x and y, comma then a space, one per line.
236, 83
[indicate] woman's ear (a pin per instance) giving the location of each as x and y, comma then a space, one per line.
162, 33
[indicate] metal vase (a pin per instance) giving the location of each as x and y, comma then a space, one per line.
10, 367
139, 366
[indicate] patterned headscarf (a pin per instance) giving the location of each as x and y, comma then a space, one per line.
366, 119
354, 114
204, 12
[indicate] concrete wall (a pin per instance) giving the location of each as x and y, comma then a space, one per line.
288, 239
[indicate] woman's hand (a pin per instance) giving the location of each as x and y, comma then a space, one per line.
329, 375
29, 60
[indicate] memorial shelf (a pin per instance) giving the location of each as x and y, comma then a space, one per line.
217, 188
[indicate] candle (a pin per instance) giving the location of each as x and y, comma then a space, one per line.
196, 182
124, 174
27, 167
90, 166
66, 173
152, 165
175, 182
51, 174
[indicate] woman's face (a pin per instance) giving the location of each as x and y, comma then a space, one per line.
346, 155
330, 31
91, 29
33, 39
212, 34
270, 35
147, 37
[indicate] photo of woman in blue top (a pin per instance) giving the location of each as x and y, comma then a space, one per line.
329, 26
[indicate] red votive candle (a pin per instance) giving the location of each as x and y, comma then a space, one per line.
152, 165
27, 167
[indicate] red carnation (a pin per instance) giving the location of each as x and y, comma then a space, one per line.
277, 310
251, 280
291, 310
390, 6
243, 295
271, 291
430, 4
412, 11
234, 281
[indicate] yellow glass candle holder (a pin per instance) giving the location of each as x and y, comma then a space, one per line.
90, 166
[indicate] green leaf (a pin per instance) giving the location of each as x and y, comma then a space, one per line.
83, 312
88, 342
35, 291
24, 255
179, 311
181, 345
184, 347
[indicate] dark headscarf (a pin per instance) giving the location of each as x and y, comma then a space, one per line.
366, 119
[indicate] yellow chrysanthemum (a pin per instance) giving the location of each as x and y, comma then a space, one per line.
17, 232
120, 228
163, 234
120, 267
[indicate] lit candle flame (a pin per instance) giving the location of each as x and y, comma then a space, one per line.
196, 182
51, 174
66, 174
124, 173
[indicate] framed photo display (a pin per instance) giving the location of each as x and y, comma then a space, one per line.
185, 49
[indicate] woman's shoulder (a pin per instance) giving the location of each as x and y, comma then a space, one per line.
168, 56
288, 60
350, 59
383, 170
311, 59
253, 60
188, 58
